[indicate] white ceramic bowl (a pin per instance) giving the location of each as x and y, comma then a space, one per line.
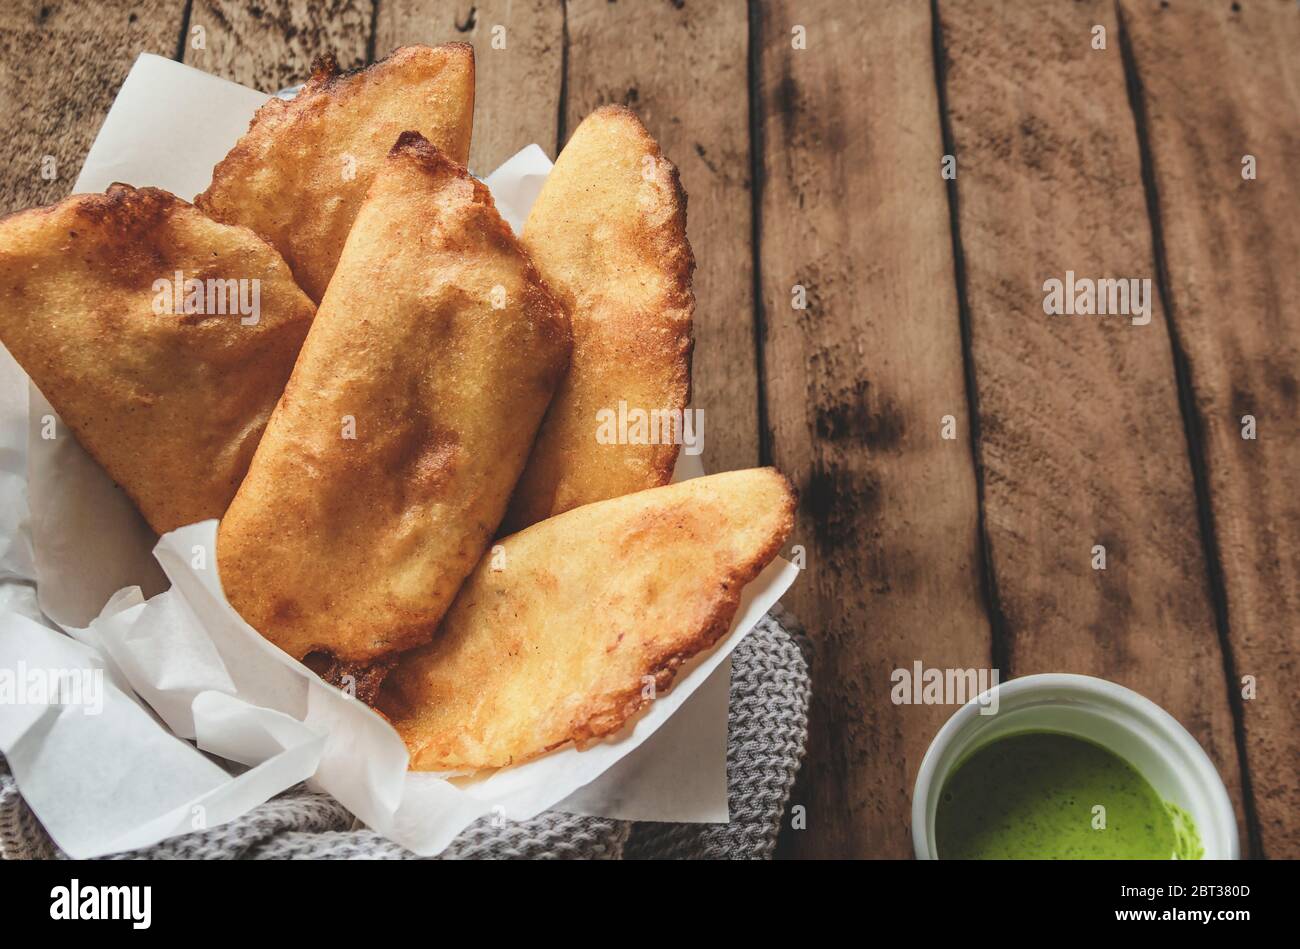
1133, 727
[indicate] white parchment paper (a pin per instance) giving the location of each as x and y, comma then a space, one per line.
199, 718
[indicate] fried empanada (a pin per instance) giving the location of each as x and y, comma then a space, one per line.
162, 337
557, 634
608, 234
389, 461
299, 174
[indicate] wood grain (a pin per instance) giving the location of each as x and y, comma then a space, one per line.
518, 88
270, 45
60, 68
854, 209
1082, 437
683, 69
1218, 84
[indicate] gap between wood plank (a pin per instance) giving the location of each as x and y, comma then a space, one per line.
562, 122
185, 29
756, 180
1001, 644
1193, 434
373, 38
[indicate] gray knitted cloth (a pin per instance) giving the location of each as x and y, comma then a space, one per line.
767, 730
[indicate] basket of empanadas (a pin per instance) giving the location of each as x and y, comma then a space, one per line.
345, 465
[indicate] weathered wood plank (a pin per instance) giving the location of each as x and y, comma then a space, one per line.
519, 54
1218, 84
853, 208
270, 45
683, 69
1082, 437
60, 68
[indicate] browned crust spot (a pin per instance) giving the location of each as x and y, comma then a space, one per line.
365, 678
325, 71
131, 210
416, 146
124, 206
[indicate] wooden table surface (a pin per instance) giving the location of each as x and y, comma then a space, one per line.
811, 138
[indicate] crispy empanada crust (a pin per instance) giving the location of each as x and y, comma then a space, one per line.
558, 633
300, 173
608, 234
387, 466
171, 405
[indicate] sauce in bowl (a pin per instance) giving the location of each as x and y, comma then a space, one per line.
1051, 796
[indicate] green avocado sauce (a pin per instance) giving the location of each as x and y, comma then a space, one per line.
1032, 796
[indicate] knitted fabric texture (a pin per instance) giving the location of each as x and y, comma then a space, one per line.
767, 731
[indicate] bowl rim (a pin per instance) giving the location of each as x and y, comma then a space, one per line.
924, 847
